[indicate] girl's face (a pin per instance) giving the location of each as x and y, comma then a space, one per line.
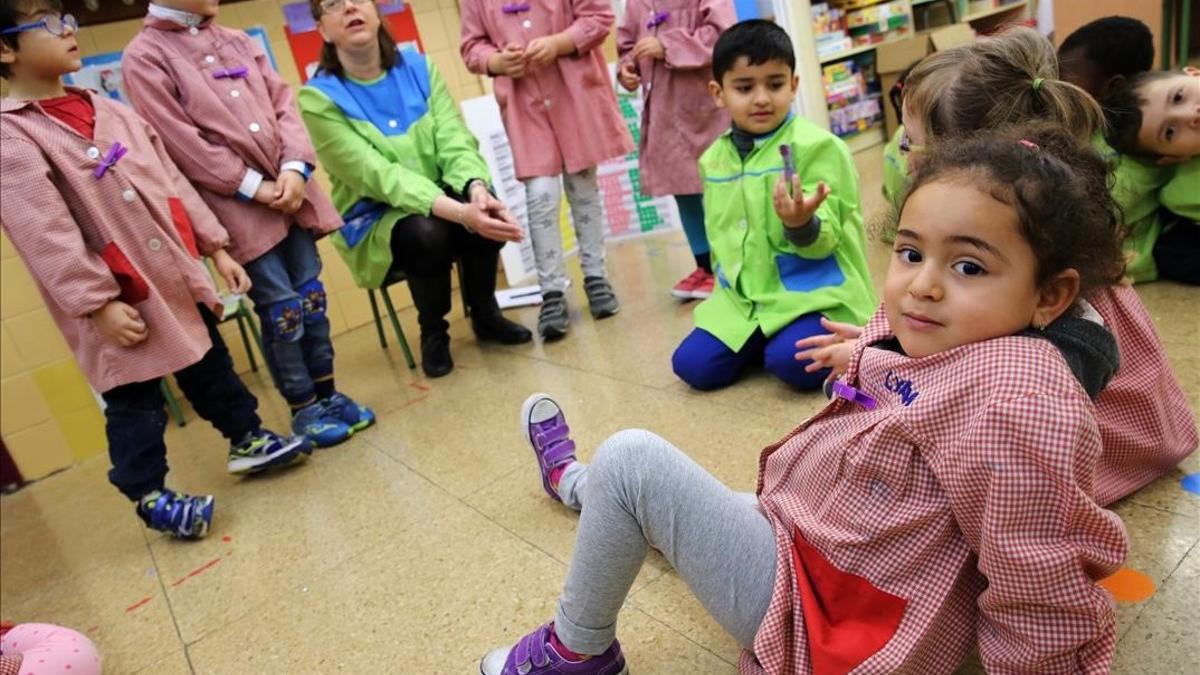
961, 271
350, 24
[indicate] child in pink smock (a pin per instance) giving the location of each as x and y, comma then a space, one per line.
941, 502
561, 115
230, 122
666, 48
112, 235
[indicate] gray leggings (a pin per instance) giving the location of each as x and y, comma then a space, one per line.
642, 491
543, 200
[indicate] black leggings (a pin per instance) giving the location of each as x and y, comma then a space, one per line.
1177, 251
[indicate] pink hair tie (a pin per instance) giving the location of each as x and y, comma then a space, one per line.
1029, 144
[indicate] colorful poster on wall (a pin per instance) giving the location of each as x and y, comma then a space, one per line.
102, 72
627, 212
306, 42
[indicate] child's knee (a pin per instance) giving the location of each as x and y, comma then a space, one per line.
699, 372
284, 320
625, 450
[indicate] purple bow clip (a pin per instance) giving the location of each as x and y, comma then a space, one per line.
238, 71
116, 152
658, 19
515, 7
853, 395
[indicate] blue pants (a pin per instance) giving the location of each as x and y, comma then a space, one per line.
135, 420
705, 363
290, 301
691, 213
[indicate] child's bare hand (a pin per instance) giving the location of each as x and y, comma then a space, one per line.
236, 279
796, 209
266, 192
831, 350
289, 192
628, 76
649, 47
541, 51
120, 323
510, 61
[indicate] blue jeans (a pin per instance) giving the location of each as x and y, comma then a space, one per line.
135, 420
705, 363
290, 301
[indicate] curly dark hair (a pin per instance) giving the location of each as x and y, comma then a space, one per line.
1117, 45
1058, 187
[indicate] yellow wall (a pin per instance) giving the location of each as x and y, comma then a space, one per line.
48, 416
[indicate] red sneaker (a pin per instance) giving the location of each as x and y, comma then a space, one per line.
686, 288
704, 289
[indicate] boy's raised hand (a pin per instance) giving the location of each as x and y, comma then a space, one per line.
796, 209
831, 350
120, 323
289, 192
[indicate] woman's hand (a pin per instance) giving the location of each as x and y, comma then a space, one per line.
832, 350
492, 221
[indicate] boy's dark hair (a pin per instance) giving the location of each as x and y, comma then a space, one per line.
1058, 187
1123, 111
1118, 45
758, 40
16, 12
330, 63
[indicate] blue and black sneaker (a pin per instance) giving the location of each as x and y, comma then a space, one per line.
320, 425
177, 514
355, 415
264, 449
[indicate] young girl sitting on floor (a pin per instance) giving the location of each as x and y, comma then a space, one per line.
942, 500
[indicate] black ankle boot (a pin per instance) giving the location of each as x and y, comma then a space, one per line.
479, 268
431, 295
496, 328
435, 354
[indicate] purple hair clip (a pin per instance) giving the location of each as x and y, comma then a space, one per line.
658, 19
853, 395
515, 7
237, 71
116, 152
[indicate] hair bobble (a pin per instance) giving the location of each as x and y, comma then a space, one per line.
1029, 144
1037, 84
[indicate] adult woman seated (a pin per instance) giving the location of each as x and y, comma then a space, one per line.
407, 176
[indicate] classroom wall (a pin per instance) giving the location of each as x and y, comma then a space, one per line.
49, 418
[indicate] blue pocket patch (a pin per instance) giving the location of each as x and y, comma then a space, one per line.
287, 320
312, 297
358, 221
805, 274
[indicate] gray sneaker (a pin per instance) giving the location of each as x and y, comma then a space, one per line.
601, 299
553, 317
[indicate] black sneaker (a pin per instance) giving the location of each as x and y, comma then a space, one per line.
496, 328
601, 299
435, 355
553, 318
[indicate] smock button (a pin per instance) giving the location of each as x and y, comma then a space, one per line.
393, 124
154, 244
235, 93
210, 59
93, 153
129, 195
254, 127
527, 23
194, 31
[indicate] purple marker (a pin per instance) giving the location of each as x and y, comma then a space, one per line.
658, 19
116, 152
853, 395
789, 165
515, 7
235, 72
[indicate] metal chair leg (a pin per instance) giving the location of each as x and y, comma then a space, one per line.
387, 302
241, 323
378, 320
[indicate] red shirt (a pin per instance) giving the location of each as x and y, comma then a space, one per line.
74, 110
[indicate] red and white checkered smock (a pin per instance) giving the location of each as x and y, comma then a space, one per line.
134, 234
1146, 423
956, 511
217, 127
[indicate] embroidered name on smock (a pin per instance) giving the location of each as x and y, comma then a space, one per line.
894, 383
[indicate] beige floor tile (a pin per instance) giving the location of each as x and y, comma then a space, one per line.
669, 600
1165, 635
433, 592
175, 664
1159, 540
292, 531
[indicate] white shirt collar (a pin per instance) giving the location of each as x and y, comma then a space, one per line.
177, 15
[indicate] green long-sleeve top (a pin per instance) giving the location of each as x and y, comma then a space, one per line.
764, 280
391, 146
1135, 188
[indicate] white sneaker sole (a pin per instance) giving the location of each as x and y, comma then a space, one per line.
250, 464
527, 410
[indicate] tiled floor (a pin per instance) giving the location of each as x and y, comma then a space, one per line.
427, 539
